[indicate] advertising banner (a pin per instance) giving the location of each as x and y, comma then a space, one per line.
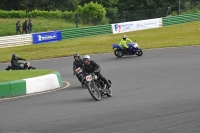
46, 37
135, 25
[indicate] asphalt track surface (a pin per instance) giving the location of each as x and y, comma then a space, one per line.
156, 93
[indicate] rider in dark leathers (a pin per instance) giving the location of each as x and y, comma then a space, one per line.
91, 66
78, 62
14, 62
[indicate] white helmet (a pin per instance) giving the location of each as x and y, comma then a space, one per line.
86, 57
124, 36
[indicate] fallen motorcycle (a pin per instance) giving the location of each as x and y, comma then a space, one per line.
132, 50
24, 65
96, 87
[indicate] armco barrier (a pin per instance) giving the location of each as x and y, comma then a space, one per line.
181, 19
26, 39
16, 40
31, 85
86, 31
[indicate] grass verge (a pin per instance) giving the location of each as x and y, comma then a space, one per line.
22, 74
169, 36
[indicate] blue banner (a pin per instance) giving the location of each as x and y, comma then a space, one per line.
46, 37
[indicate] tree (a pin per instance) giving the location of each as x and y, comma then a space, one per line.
92, 12
10, 4
109, 5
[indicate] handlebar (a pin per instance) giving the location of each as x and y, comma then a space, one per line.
97, 70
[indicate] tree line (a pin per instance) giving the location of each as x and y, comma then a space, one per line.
109, 5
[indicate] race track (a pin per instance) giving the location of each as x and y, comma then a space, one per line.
158, 92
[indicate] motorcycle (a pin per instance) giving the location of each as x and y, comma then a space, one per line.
96, 87
79, 73
24, 65
132, 50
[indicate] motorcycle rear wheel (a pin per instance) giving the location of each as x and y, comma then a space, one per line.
94, 91
118, 53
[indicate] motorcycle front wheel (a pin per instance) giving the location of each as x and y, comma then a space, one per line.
118, 53
94, 91
139, 52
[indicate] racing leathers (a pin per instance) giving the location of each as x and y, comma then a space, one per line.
91, 68
76, 64
15, 64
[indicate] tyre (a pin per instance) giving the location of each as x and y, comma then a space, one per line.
8, 67
31, 68
118, 53
139, 52
94, 91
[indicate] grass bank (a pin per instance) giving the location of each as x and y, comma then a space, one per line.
6, 76
8, 26
170, 36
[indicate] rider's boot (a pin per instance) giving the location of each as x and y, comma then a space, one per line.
124, 51
107, 86
82, 83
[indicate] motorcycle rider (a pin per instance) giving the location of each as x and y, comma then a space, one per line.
91, 66
78, 62
123, 43
14, 62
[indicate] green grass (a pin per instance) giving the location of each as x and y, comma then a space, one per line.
8, 26
170, 36
6, 76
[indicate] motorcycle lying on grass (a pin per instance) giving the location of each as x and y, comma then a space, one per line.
132, 50
79, 73
24, 65
96, 87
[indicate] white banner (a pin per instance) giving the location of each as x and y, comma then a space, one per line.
136, 25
